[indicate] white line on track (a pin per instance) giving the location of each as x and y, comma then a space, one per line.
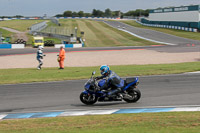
146, 38
2, 116
88, 112
197, 72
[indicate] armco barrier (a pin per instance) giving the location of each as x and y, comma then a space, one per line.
69, 45
11, 46
17, 46
5, 46
169, 27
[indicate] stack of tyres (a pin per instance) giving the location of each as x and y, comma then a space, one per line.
20, 41
49, 43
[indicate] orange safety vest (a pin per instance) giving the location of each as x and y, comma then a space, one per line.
62, 54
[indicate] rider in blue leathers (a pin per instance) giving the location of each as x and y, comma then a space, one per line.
112, 80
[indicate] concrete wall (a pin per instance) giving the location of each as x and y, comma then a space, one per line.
199, 16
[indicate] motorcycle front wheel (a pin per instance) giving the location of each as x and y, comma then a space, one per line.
135, 96
88, 99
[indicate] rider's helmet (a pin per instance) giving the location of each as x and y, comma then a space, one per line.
40, 47
104, 69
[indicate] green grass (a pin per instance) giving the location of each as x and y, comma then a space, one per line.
20, 25
6, 33
12, 76
180, 33
171, 122
98, 34
56, 40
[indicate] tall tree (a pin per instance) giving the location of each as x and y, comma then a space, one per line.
67, 14
59, 15
74, 14
108, 13
115, 13
88, 15
81, 14
97, 13
94, 13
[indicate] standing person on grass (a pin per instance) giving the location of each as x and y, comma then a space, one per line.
40, 56
61, 57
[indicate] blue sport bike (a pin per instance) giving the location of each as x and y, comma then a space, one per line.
92, 92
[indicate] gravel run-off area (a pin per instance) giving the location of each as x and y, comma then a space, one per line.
97, 58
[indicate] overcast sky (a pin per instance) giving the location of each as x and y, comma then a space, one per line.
53, 7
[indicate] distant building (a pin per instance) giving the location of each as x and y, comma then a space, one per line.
184, 16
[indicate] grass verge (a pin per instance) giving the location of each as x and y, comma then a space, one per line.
171, 122
20, 25
13, 76
6, 33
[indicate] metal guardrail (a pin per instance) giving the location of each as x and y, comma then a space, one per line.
169, 27
38, 27
55, 21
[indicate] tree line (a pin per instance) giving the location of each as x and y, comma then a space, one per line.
106, 13
97, 13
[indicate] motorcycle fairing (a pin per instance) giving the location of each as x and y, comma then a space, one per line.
130, 84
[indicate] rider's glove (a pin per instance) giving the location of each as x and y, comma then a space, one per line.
97, 78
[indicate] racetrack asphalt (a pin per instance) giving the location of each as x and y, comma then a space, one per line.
157, 91
152, 34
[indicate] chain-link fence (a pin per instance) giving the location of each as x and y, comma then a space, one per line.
38, 27
60, 30
62, 33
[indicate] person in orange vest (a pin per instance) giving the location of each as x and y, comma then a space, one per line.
61, 57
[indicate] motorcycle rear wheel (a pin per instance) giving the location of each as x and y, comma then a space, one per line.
135, 94
88, 100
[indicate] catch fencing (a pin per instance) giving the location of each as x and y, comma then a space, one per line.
55, 21
38, 27
66, 34
60, 31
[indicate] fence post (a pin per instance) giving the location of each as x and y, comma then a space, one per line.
0, 38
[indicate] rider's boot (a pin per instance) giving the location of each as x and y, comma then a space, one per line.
119, 96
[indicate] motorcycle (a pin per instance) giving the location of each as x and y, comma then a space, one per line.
92, 92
